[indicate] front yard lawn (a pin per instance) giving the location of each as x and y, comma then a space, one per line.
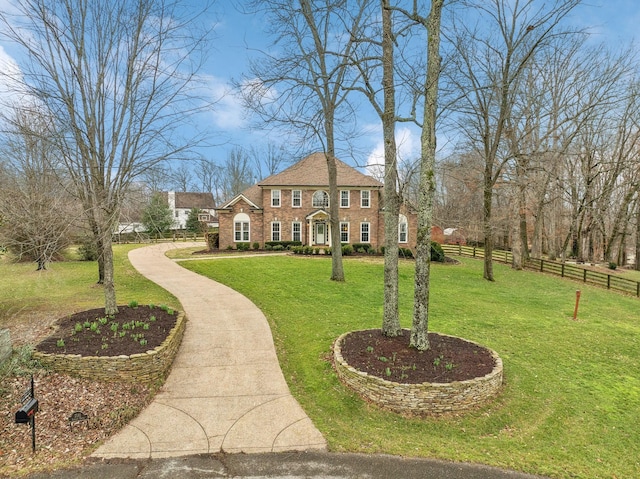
571, 400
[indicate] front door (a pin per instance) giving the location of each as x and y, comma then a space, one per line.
321, 233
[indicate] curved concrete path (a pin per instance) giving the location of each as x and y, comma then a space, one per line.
225, 391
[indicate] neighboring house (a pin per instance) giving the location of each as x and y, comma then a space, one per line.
182, 203
294, 206
454, 236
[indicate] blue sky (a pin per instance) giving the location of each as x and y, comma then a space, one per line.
614, 22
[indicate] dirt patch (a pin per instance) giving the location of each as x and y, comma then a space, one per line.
108, 407
448, 359
90, 333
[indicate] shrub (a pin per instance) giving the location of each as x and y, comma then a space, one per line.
242, 246
284, 244
347, 250
308, 250
437, 253
405, 253
327, 251
213, 240
88, 250
361, 247
278, 247
256, 245
612, 265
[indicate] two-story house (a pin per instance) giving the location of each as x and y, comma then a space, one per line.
181, 204
294, 206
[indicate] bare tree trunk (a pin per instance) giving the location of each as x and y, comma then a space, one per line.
419, 328
486, 223
391, 319
637, 266
110, 304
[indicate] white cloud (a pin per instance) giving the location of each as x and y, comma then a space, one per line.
9, 71
227, 112
407, 146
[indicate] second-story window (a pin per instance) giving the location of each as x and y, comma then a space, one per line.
296, 198
320, 199
275, 198
344, 198
365, 199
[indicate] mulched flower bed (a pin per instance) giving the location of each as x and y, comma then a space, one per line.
448, 359
89, 333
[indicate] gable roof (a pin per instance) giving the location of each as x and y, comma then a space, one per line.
312, 171
195, 200
252, 195
202, 201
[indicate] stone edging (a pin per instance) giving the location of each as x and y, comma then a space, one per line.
143, 367
420, 399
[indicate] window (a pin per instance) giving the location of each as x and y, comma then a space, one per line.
204, 217
344, 232
344, 198
365, 199
364, 232
320, 199
241, 228
275, 198
275, 231
296, 198
296, 231
403, 229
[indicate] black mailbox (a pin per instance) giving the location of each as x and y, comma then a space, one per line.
26, 412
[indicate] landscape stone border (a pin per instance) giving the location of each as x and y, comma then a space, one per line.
420, 399
146, 367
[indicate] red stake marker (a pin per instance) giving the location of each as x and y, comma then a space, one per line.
575, 311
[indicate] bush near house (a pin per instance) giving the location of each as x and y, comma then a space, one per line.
284, 244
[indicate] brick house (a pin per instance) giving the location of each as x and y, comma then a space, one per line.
294, 206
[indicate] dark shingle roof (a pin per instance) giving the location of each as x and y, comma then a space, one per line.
312, 171
195, 200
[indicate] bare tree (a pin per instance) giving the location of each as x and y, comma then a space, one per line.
307, 85
237, 174
207, 172
427, 186
490, 65
269, 160
119, 79
182, 177
38, 212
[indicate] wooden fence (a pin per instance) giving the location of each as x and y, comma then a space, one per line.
564, 270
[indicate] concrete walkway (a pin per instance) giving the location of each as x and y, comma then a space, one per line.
225, 392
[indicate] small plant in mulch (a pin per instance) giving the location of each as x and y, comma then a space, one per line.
134, 329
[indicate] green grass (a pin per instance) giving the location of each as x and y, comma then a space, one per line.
571, 400
70, 286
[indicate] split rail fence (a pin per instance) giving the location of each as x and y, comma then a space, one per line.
565, 270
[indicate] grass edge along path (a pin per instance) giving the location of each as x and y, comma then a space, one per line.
571, 400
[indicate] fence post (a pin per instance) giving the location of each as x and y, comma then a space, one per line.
474, 251
608, 281
562, 274
541, 265
584, 275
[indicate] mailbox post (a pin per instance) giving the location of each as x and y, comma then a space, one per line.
27, 413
